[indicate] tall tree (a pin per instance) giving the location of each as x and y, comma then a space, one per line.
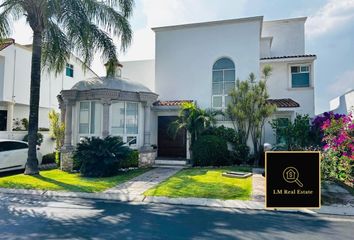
249, 109
60, 28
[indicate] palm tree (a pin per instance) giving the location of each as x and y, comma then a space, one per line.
59, 28
194, 119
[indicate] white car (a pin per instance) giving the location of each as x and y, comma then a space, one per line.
13, 155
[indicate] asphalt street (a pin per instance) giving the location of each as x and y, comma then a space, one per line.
35, 217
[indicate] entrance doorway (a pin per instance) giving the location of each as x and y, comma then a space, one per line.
3, 120
170, 146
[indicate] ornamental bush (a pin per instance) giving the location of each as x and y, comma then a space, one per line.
96, 157
240, 153
39, 138
210, 150
131, 160
49, 158
338, 151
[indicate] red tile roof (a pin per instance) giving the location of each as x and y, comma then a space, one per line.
284, 103
172, 103
6, 42
294, 56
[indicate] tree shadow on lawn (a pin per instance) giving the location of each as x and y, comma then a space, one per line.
86, 219
65, 186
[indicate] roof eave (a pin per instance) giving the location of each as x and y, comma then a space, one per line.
212, 23
290, 59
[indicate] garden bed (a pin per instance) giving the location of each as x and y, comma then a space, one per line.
205, 183
57, 180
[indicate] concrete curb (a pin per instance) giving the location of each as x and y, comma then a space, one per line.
203, 202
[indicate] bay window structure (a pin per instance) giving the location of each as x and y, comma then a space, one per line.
300, 76
223, 81
107, 106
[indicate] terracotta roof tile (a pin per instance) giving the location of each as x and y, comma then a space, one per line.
284, 103
171, 103
6, 42
294, 56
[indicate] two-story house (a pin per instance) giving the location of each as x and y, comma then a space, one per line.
197, 62
201, 62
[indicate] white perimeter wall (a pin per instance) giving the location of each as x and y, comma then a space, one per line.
343, 104
48, 145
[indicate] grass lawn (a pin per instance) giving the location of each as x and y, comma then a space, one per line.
58, 180
205, 183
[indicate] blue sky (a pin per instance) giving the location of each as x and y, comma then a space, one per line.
329, 32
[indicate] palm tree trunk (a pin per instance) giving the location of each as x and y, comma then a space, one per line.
32, 161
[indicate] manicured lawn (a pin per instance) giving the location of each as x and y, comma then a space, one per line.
204, 183
58, 180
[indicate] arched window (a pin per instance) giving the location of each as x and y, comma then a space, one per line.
223, 82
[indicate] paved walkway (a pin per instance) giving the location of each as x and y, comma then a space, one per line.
258, 185
135, 188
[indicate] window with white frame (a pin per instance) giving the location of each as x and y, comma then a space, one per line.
124, 121
90, 114
223, 82
300, 76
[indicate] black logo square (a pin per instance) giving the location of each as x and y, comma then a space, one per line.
293, 179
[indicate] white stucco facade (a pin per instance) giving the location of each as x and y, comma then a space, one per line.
185, 55
15, 75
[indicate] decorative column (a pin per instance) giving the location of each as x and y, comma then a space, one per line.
147, 131
106, 102
66, 163
10, 116
62, 108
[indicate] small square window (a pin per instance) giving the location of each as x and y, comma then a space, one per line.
69, 70
300, 76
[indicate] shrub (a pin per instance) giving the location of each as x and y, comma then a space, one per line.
240, 153
294, 135
131, 160
49, 158
338, 154
96, 157
210, 150
39, 138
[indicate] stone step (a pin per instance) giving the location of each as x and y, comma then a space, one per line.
170, 166
170, 162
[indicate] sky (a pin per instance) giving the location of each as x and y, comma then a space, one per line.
329, 33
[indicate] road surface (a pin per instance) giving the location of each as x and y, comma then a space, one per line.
32, 217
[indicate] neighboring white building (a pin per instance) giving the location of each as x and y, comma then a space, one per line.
194, 62
343, 104
15, 75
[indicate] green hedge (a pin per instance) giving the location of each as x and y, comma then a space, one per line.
49, 158
131, 160
210, 150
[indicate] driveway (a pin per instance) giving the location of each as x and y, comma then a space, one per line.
33, 217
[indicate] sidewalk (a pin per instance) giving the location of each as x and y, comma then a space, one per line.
132, 191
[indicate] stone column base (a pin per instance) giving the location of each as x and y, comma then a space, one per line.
66, 160
147, 157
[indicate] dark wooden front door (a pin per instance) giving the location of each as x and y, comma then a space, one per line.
3, 120
168, 145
